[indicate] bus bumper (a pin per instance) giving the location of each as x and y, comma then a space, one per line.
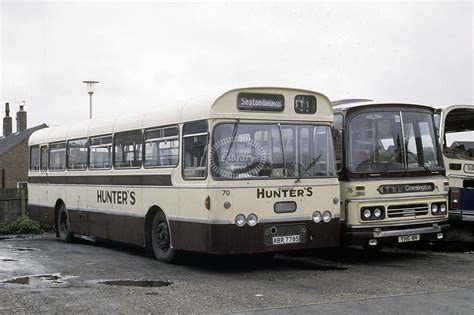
465, 211
231, 239
461, 216
385, 235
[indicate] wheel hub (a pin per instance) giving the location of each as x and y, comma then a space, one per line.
162, 237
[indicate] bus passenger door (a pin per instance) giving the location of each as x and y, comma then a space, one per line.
193, 214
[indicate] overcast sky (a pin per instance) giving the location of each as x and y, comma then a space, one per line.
145, 53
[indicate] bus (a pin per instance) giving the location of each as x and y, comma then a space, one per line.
249, 171
456, 126
393, 184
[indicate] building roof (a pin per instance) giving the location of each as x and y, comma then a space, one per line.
11, 141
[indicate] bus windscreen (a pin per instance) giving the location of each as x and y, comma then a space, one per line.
391, 141
263, 151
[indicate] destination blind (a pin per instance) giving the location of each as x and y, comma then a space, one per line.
260, 102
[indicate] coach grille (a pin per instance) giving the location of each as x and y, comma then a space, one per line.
407, 210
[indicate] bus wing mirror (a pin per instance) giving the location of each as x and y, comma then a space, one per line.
336, 134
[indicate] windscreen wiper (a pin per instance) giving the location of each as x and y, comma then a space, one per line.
283, 151
234, 133
308, 168
419, 163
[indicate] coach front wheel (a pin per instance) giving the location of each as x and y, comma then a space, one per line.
161, 239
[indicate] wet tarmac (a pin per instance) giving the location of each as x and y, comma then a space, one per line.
42, 274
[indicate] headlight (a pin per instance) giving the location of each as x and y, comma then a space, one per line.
434, 208
377, 213
367, 213
240, 220
442, 208
317, 217
327, 216
252, 219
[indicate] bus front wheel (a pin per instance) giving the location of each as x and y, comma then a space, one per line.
64, 230
161, 239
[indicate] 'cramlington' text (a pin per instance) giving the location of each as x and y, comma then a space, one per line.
120, 197
284, 193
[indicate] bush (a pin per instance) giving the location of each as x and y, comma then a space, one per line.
22, 225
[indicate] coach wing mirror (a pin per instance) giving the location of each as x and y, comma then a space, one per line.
335, 134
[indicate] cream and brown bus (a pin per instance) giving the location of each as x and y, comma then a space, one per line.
393, 184
248, 171
456, 124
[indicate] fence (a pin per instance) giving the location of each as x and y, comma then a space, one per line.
13, 203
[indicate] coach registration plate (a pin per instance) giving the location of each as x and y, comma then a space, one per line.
290, 239
408, 238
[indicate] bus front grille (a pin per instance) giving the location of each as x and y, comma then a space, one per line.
407, 210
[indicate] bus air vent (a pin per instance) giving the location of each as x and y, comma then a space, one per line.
412, 210
284, 207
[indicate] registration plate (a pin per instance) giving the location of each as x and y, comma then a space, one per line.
290, 239
408, 238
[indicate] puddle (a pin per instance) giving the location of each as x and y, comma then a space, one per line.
36, 279
25, 249
21, 249
138, 283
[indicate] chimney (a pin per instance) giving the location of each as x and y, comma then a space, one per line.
21, 123
7, 121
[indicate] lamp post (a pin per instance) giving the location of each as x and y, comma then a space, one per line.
90, 90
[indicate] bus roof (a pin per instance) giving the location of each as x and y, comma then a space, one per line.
458, 118
448, 108
222, 105
351, 105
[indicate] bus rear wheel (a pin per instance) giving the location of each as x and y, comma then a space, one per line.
65, 234
161, 239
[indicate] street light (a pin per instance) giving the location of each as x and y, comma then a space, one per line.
90, 90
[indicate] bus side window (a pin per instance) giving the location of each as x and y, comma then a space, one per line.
34, 158
128, 149
100, 153
57, 156
161, 147
195, 142
338, 136
77, 154
44, 158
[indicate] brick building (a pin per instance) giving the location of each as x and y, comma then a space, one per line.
14, 149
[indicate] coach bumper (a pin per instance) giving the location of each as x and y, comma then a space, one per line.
231, 239
391, 234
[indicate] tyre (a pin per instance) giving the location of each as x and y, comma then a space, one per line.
161, 239
64, 230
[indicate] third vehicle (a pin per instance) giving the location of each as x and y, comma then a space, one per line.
393, 184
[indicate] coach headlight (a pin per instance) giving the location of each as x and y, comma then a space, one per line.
442, 208
434, 208
240, 220
252, 219
367, 213
377, 213
317, 217
327, 216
